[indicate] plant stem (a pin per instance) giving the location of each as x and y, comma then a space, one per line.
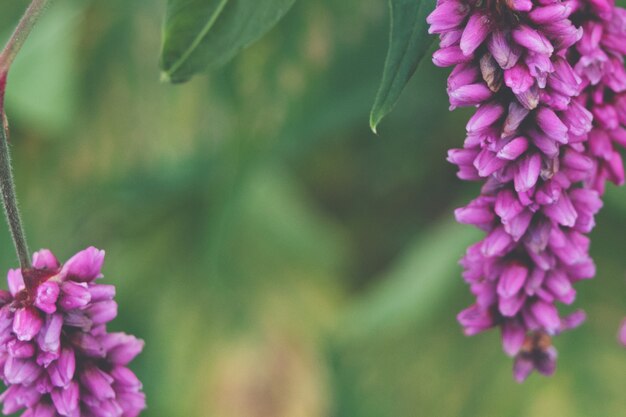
7, 186
21, 32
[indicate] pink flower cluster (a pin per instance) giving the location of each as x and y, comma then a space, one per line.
547, 78
56, 356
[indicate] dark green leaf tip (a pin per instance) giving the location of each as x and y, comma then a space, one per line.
408, 44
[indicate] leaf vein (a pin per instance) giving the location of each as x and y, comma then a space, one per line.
198, 39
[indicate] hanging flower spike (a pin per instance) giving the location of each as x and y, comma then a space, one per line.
57, 357
599, 60
527, 142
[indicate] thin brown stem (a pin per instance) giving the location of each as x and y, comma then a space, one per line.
11, 211
20, 34
7, 185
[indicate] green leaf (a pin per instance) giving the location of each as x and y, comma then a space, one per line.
202, 34
408, 43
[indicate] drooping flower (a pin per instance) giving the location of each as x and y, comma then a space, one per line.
599, 60
527, 142
56, 355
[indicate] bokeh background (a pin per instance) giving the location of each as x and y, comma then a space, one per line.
278, 258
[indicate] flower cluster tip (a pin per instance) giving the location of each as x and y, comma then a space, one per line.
56, 356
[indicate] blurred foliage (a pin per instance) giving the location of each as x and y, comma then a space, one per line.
276, 256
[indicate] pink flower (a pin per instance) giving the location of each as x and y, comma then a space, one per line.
550, 102
599, 62
56, 354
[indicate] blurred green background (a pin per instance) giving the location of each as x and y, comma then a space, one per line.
278, 258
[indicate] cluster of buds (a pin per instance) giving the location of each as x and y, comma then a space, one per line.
547, 78
56, 355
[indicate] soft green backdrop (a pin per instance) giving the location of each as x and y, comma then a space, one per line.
278, 258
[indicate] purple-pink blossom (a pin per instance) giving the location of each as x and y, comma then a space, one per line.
56, 355
549, 110
599, 60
